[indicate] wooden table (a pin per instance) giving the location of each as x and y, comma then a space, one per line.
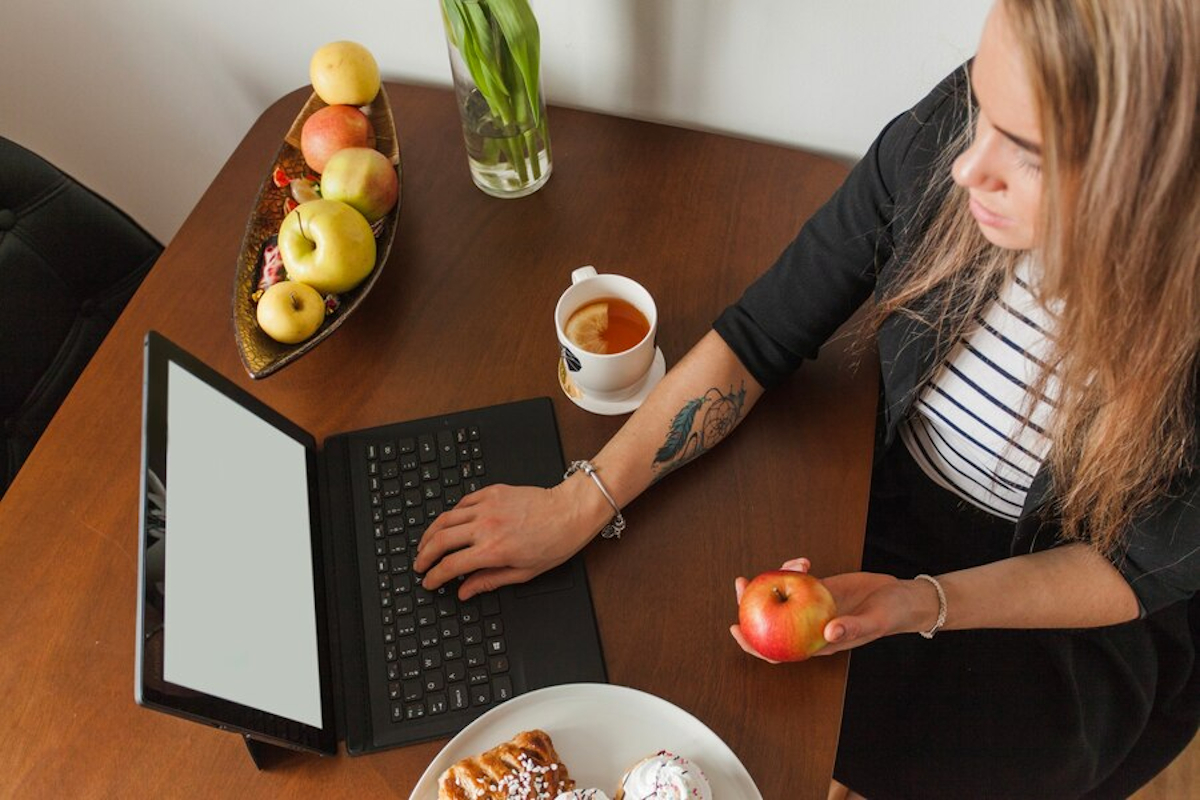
460, 317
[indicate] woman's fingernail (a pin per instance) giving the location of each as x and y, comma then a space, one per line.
836, 633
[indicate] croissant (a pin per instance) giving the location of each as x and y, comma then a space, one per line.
526, 767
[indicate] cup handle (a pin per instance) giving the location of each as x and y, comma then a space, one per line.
582, 274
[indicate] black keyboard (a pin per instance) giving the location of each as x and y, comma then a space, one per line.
439, 656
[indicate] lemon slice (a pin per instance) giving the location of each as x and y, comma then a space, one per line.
588, 327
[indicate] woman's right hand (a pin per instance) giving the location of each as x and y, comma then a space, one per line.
502, 535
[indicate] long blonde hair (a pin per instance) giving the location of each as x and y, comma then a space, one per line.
1116, 85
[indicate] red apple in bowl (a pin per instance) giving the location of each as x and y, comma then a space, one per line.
333, 128
783, 614
364, 178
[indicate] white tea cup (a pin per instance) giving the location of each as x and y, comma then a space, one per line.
606, 375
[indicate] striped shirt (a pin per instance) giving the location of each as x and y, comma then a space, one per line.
971, 429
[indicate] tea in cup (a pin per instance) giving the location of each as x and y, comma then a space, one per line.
606, 328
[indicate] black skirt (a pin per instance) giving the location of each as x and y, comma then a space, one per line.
1024, 714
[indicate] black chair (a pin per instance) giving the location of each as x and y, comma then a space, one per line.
69, 262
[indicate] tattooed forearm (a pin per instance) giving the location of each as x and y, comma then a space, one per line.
697, 427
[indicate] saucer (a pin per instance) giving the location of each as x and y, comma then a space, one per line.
612, 407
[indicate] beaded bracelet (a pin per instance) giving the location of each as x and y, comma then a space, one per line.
941, 617
613, 529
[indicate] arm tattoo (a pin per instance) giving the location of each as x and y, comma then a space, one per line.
693, 433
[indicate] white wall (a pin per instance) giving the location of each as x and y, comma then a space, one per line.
143, 100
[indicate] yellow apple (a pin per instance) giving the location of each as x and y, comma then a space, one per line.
328, 245
344, 73
364, 178
290, 312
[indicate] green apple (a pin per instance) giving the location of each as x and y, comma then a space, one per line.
364, 178
344, 73
328, 245
290, 312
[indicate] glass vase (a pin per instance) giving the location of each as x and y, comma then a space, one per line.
495, 61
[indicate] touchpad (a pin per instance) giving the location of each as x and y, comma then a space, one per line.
555, 580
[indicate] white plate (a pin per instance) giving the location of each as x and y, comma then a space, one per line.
658, 368
599, 731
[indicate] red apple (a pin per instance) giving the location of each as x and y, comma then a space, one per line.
333, 128
783, 614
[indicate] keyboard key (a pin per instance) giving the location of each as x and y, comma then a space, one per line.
406, 446
451, 496
476, 451
388, 616
380, 547
431, 659
426, 448
450, 478
407, 646
475, 657
446, 607
428, 637
394, 690
459, 699
385, 600
456, 671
433, 681
481, 695
464, 452
412, 691
431, 490
395, 506
397, 544
403, 604
477, 676
495, 647
414, 517
406, 625
473, 431
402, 584
472, 634
460, 435
387, 451
397, 712
393, 671
493, 627
410, 668
380, 531
372, 452
436, 704
430, 472
376, 499
389, 470
498, 664
373, 468
374, 484
432, 509
395, 525
502, 688
452, 648
391, 488
477, 468
389, 634
449, 628
415, 711
410, 479
469, 613
423, 595
389, 652
426, 615
472, 485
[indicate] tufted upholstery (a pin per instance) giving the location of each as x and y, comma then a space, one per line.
69, 261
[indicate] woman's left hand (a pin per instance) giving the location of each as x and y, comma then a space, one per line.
869, 605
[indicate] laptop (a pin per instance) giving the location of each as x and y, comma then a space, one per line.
276, 592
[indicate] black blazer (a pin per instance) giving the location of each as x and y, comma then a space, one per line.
856, 245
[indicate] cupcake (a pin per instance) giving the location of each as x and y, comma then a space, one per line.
583, 794
664, 776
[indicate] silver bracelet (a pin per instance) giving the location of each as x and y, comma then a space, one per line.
613, 529
941, 593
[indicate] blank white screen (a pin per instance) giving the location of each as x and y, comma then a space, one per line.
240, 617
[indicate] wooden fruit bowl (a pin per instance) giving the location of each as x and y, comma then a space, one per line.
261, 354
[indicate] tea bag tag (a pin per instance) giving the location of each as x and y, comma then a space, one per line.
582, 274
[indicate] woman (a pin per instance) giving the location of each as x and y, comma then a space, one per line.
1029, 234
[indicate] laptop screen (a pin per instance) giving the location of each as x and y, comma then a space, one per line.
231, 610
240, 615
